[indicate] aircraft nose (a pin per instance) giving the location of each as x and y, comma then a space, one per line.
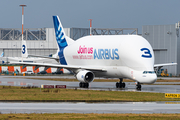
153, 78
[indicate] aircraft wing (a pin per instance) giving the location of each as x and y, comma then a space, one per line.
159, 66
165, 64
60, 66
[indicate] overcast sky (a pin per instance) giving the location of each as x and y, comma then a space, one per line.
75, 13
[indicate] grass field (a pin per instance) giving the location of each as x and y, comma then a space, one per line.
24, 93
74, 116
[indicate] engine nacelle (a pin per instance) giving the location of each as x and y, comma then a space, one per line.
85, 76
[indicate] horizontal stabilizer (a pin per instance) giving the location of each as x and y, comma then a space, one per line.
43, 57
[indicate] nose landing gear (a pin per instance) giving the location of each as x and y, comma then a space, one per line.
138, 86
120, 84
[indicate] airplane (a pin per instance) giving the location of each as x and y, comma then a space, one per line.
109, 56
2, 54
30, 58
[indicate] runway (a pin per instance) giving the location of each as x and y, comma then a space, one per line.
130, 86
122, 107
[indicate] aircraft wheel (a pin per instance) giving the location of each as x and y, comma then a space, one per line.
80, 84
86, 85
117, 85
120, 85
123, 85
138, 87
83, 85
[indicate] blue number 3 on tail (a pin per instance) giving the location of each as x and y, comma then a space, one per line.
147, 53
23, 49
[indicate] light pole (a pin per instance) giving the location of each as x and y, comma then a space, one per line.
22, 27
90, 26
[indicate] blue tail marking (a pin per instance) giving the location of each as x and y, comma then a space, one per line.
61, 40
2, 54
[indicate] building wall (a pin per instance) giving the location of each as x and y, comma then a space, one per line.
12, 48
178, 56
76, 33
163, 39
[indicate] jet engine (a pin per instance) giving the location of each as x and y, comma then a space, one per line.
85, 76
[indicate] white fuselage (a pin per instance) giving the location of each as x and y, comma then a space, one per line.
123, 56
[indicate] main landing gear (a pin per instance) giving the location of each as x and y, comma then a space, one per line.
138, 86
83, 85
120, 84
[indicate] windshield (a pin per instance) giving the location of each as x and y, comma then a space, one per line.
150, 72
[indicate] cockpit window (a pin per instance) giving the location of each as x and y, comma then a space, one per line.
150, 72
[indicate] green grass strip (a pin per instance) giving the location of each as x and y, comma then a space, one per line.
92, 116
23, 93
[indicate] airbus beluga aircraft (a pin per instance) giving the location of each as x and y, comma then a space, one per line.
30, 58
109, 56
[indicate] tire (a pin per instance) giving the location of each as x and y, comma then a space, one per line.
138, 87
117, 85
123, 85
120, 85
83, 85
86, 85
80, 84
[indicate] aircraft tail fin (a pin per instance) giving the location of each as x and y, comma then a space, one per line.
24, 49
2, 54
61, 37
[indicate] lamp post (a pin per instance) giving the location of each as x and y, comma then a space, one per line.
22, 26
90, 26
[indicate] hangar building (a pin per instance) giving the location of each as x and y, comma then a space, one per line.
165, 42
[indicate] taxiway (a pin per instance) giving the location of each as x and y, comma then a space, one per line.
122, 107
161, 87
